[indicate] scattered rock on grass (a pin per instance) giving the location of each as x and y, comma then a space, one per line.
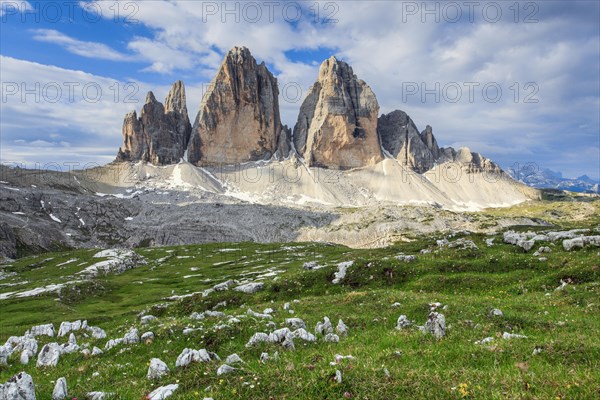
436, 325
49, 355
295, 323
225, 369
163, 392
157, 369
19, 387
324, 327
341, 328
509, 336
331, 338
60, 389
403, 322
259, 337
341, 272
495, 312
233, 359
250, 288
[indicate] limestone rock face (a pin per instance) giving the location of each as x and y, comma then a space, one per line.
400, 137
420, 152
161, 133
429, 140
337, 125
238, 120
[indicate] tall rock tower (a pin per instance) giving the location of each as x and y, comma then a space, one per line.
238, 120
337, 125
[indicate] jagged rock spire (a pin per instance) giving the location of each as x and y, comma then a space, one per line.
238, 120
337, 125
161, 134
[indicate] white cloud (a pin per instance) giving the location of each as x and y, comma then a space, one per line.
10, 7
81, 48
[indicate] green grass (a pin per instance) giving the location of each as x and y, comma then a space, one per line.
564, 323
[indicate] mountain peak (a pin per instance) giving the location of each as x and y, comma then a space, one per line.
238, 120
150, 98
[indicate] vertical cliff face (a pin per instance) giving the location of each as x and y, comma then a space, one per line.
161, 134
238, 120
400, 137
134, 145
337, 125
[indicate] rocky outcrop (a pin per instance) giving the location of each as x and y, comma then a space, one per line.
238, 120
337, 125
161, 134
420, 152
400, 137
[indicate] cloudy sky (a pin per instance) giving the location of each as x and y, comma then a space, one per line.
518, 82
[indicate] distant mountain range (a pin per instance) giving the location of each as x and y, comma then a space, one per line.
549, 179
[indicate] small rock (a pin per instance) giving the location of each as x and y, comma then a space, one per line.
97, 333
96, 351
341, 272
508, 336
324, 327
485, 340
341, 328
331, 338
225, 369
19, 387
233, 359
537, 350
250, 288
338, 376
157, 369
42, 330
98, 396
147, 337
147, 319
563, 284
68, 327
436, 325
49, 355
25, 356
132, 337
60, 389
301, 333
396, 305
279, 335
258, 337
288, 343
4, 354
258, 315
163, 392
495, 312
295, 323
405, 258
310, 265
403, 322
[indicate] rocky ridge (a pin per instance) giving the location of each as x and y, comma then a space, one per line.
239, 121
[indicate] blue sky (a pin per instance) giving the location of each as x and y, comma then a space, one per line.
543, 56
